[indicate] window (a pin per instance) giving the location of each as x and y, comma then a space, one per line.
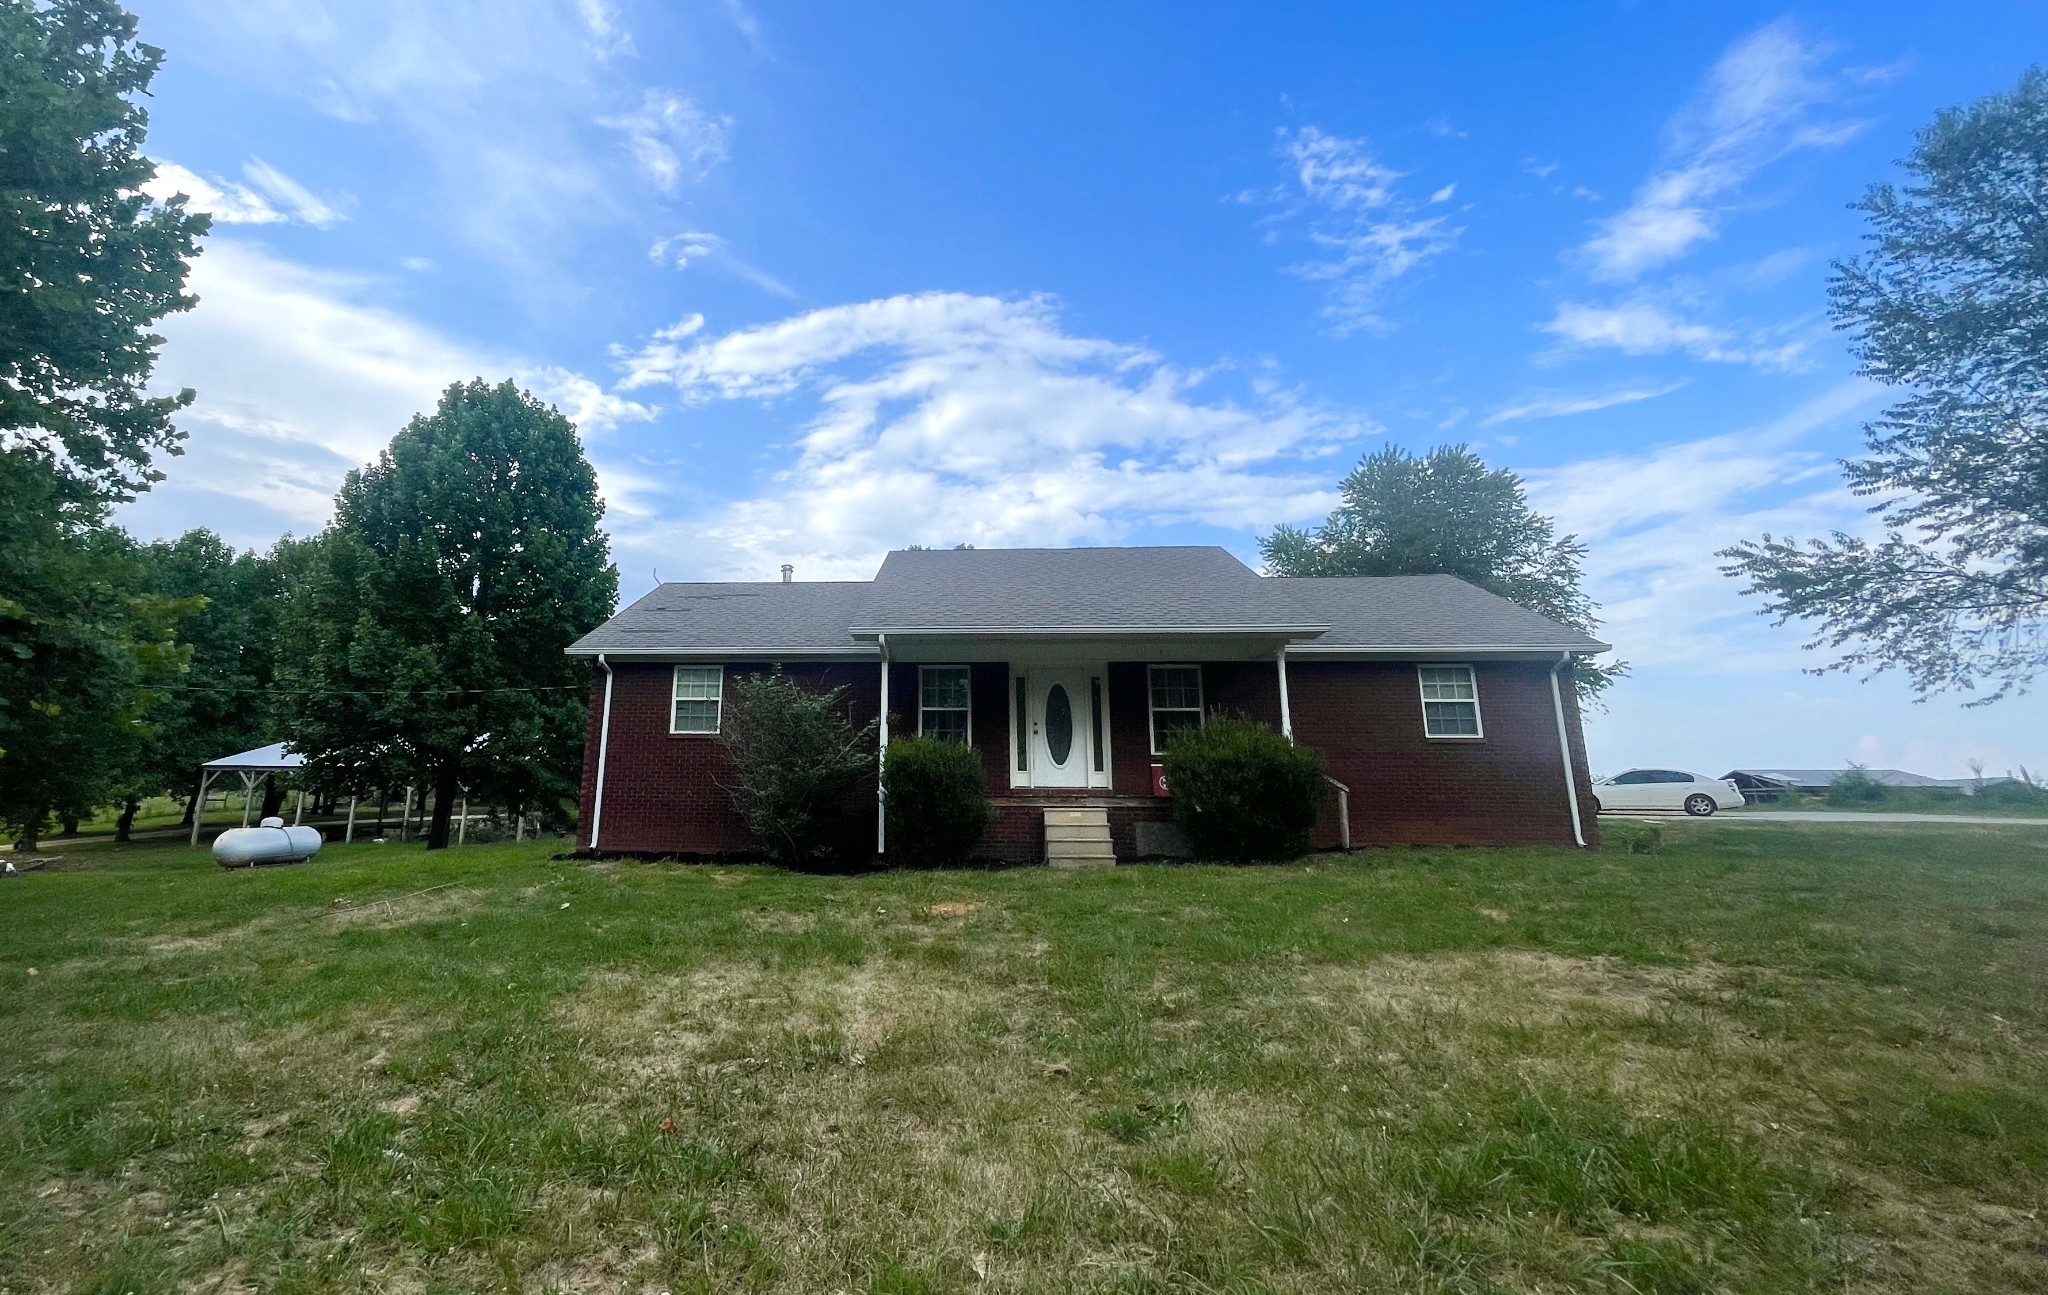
700, 690
1634, 778
943, 702
1095, 713
1450, 701
1018, 722
1175, 701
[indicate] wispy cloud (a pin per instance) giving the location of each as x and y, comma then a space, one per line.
671, 139
270, 197
1761, 101
1555, 405
1367, 231
693, 247
1642, 327
981, 419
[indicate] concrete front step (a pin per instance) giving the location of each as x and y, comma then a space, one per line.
1078, 838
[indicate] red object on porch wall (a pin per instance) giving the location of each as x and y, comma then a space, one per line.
1159, 780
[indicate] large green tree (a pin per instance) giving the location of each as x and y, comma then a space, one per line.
91, 263
1446, 512
425, 642
1950, 303
221, 703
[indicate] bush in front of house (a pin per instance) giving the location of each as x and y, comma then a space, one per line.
935, 802
1243, 792
797, 762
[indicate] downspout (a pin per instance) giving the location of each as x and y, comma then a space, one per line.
1286, 715
604, 740
882, 755
1564, 749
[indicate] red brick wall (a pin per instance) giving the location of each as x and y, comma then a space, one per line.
1504, 789
663, 794
662, 790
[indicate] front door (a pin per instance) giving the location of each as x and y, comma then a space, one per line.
1059, 728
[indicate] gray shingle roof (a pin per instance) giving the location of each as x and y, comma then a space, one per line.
1069, 589
743, 617
1424, 612
1109, 590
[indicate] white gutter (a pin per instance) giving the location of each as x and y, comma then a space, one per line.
882, 756
1286, 714
1088, 631
604, 740
1564, 748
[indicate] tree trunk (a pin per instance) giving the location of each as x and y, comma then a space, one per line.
191, 808
70, 826
127, 819
447, 783
273, 796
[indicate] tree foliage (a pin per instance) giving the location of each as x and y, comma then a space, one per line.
1447, 513
796, 761
91, 262
1951, 303
424, 643
84, 654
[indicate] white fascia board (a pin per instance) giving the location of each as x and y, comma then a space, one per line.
1082, 631
1546, 650
752, 652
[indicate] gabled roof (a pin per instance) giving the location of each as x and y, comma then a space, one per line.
1121, 591
274, 756
1424, 612
1103, 592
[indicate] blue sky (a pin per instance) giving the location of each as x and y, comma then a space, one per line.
817, 281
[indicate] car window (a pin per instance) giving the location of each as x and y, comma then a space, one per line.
1634, 777
1672, 775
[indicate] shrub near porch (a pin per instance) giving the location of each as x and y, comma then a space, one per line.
1761, 1058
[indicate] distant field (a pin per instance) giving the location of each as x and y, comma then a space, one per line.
1781, 1059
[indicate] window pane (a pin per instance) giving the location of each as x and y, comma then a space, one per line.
1178, 687
1167, 723
696, 716
695, 683
946, 688
1451, 718
946, 725
1447, 683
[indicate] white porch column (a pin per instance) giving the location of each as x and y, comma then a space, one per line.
1286, 714
882, 757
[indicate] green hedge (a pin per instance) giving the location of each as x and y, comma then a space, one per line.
935, 803
1242, 792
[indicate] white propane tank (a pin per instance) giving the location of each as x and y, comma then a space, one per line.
273, 842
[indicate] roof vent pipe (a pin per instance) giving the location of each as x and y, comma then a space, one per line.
788, 571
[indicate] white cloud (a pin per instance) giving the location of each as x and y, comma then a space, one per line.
1758, 104
1554, 405
502, 101
949, 417
1654, 519
1643, 328
269, 198
671, 139
1370, 233
301, 376
679, 250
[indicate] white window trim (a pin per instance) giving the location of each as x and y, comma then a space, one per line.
1478, 712
1201, 700
675, 687
969, 707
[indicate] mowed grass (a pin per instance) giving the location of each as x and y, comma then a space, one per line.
1768, 1058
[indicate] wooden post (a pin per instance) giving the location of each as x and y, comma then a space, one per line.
350, 837
299, 812
199, 805
405, 817
248, 795
519, 832
462, 826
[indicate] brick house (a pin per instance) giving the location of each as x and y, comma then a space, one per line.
1446, 715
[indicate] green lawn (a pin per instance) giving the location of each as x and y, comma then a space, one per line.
1782, 1059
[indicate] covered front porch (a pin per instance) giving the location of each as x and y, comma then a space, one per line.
1067, 722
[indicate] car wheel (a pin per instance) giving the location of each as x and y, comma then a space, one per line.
1700, 806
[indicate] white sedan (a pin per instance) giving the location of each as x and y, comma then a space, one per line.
1668, 789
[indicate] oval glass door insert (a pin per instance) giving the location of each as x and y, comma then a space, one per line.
1059, 724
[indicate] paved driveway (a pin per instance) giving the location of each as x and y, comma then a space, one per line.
1824, 816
